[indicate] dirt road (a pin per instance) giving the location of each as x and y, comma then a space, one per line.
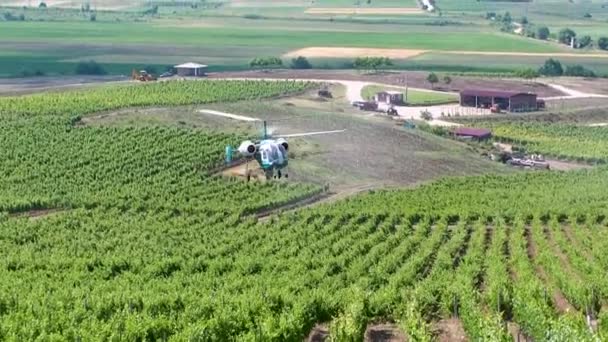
571, 93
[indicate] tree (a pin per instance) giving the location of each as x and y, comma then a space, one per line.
565, 36
584, 42
42, 5
447, 79
432, 79
371, 63
524, 21
266, 62
300, 63
90, 68
543, 33
552, 67
507, 18
578, 70
602, 43
527, 74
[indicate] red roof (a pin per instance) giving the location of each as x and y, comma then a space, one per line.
492, 93
473, 132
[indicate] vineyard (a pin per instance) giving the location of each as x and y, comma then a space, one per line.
145, 244
415, 257
559, 140
48, 162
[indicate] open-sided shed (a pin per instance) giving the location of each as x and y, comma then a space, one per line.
511, 101
191, 69
473, 133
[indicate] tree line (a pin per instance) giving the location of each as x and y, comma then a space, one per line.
565, 36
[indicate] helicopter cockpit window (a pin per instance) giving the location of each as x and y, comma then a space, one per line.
282, 153
274, 154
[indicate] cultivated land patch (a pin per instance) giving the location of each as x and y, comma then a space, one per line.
529, 54
101, 5
345, 52
372, 11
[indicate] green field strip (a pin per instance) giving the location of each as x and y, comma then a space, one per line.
589, 271
478, 323
573, 289
533, 308
420, 263
146, 34
497, 292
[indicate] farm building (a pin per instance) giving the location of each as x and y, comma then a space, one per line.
505, 100
389, 97
473, 133
191, 69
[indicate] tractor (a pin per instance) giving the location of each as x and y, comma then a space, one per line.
142, 76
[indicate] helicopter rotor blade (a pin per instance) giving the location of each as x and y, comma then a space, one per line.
296, 135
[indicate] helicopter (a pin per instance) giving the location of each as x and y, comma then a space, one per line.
271, 153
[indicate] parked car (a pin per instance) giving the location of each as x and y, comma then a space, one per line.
166, 74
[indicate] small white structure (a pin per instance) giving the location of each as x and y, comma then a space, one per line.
389, 97
191, 69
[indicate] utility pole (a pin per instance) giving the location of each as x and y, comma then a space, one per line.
406, 87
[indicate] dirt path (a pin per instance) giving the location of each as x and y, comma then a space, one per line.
330, 196
319, 333
37, 214
571, 93
228, 115
450, 330
566, 166
384, 332
354, 90
381, 332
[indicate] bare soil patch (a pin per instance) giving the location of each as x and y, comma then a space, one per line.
566, 166
587, 85
386, 332
22, 86
450, 330
414, 79
265, 214
346, 52
37, 213
516, 333
319, 333
363, 11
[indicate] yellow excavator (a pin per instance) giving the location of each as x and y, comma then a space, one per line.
142, 76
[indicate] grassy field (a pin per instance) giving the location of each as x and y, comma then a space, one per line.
227, 35
55, 47
414, 97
